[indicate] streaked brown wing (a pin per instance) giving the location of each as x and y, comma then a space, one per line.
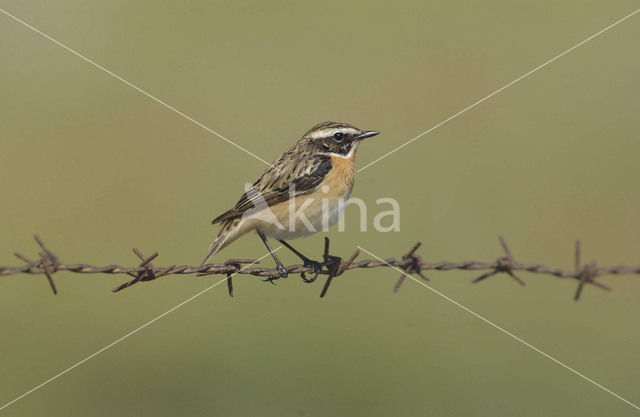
275, 186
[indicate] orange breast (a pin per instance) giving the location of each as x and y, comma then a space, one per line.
340, 178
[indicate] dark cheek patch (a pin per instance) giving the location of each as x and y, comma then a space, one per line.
342, 148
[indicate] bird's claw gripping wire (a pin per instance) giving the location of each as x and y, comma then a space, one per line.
283, 272
316, 269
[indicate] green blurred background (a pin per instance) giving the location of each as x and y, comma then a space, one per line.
96, 168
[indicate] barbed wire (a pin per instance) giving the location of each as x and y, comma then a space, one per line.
333, 266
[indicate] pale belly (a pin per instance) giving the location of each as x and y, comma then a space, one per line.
309, 214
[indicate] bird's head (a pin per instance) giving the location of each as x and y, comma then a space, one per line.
338, 138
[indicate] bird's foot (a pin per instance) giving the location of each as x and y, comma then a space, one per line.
329, 266
271, 279
316, 269
282, 273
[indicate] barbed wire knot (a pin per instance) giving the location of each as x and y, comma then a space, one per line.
505, 264
412, 265
586, 274
48, 263
236, 264
146, 270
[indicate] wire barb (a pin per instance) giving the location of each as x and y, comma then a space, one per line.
414, 266
504, 264
48, 264
236, 263
586, 274
148, 272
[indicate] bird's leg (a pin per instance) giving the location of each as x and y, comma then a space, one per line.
314, 265
282, 271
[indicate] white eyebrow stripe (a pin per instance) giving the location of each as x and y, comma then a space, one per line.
323, 133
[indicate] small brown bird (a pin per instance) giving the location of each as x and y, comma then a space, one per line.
302, 192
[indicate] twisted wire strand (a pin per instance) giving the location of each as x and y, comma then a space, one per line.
49, 264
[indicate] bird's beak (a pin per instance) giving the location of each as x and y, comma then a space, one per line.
366, 134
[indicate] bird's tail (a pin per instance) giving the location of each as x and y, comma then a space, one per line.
228, 233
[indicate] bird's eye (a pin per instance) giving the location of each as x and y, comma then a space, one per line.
338, 136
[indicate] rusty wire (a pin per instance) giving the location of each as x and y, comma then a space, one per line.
411, 263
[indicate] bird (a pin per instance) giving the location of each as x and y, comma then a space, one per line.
302, 192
